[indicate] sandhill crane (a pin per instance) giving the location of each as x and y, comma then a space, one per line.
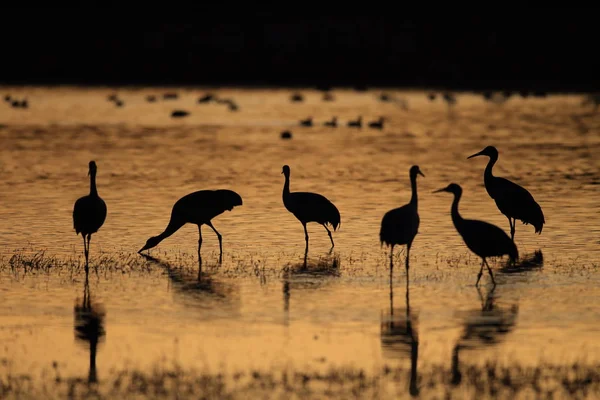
310, 207
198, 208
482, 238
89, 213
512, 200
400, 225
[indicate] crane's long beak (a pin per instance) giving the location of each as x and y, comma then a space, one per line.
476, 154
420, 173
439, 190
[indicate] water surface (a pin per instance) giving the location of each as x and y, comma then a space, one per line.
261, 310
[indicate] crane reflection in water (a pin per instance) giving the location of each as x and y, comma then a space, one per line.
400, 336
89, 326
202, 291
492, 322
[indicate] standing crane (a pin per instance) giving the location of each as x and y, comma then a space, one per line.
310, 207
482, 238
400, 225
89, 213
514, 201
198, 208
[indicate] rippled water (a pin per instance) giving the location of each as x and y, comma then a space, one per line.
260, 310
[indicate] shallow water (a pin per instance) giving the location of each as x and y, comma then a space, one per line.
260, 310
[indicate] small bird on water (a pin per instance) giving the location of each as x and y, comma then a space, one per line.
482, 238
310, 207
89, 213
514, 201
198, 208
400, 225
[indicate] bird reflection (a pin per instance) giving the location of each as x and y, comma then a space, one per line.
400, 336
201, 290
532, 262
482, 328
89, 326
309, 274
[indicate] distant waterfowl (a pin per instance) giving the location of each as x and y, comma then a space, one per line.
449, 98
198, 208
306, 122
512, 200
310, 207
431, 96
119, 103
332, 123
356, 123
328, 97
207, 98
151, 98
286, 135
482, 238
170, 96
296, 97
400, 225
179, 113
7, 98
89, 213
376, 124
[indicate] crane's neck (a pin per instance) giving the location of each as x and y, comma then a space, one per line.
413, 185
172, 227
93, 190
456, 218
488, 176
286, 189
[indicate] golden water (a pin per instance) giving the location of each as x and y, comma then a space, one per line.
261, 311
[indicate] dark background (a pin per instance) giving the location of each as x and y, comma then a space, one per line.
554, 50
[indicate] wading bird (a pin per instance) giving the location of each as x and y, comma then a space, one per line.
482, 238
400, 225
514, 201
198, 208
310, 207
89, 213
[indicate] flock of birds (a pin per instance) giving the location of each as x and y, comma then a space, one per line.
398, 226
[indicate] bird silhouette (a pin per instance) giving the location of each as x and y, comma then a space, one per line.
378, 124
306, 122
356, 123
400, 225
482, 238
89, 213
198, 208
310, 207
514, 201
332, 123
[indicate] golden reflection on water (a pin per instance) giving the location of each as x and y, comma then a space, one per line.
267, 305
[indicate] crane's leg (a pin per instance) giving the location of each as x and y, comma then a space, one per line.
407, 257
512, 229
199, 239
220, 241
391, 261
330, 237
490, 271
480, 272
305, 238
85, 253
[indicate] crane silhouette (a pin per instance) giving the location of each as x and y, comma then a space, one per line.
198, 208
89, 213
400, 225
482, 238
514, 201
310, 207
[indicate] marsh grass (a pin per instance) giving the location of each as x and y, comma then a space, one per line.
262, 266
490, 380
